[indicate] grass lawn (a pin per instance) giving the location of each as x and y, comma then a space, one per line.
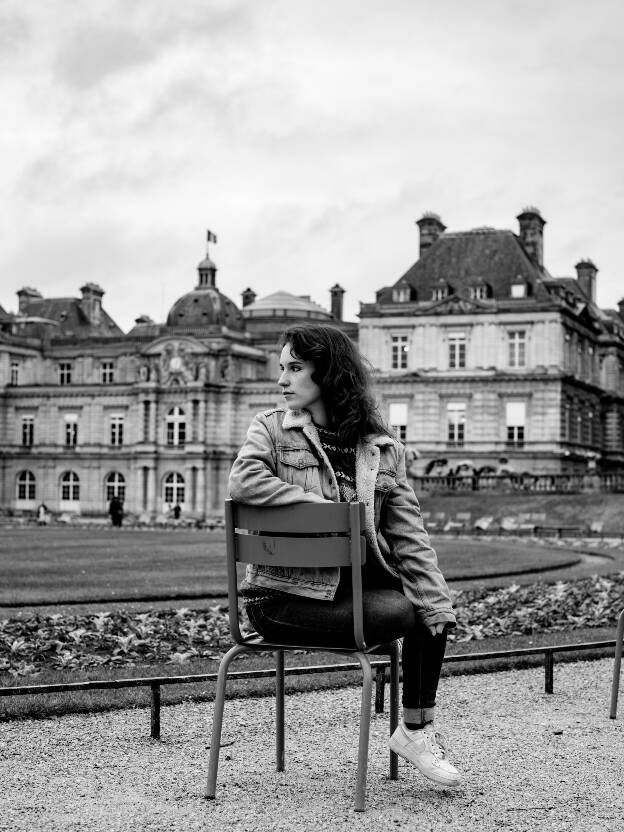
60, 565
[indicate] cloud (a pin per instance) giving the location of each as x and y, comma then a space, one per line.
92, 54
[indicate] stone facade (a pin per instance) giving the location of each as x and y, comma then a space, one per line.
480, 356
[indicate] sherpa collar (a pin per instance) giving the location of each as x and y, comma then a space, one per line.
301, 418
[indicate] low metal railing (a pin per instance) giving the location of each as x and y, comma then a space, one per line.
380, 666
536, 483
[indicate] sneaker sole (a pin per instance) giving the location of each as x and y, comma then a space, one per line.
439, 780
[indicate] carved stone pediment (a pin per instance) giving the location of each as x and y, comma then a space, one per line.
173, 361
457, 305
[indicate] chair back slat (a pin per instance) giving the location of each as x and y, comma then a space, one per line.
299, 535
271, 550
298, 517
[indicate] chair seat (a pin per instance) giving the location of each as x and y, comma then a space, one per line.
256, 642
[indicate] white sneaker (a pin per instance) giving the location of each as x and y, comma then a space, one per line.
427, 751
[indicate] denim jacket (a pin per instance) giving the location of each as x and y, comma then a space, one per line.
282, 462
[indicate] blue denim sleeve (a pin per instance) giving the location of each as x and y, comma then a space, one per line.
402, 526
253, 478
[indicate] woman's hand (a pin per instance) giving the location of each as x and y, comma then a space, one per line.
436, 629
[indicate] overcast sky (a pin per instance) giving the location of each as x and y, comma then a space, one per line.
309, 135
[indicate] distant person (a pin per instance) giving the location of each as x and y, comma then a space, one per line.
43, 516
177, 511
343, 452
116, 512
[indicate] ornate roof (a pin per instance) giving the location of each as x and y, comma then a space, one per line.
283, 304
205, 306
462, 259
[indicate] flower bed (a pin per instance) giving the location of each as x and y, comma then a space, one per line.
36, 642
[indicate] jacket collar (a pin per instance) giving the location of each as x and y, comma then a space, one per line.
301, 418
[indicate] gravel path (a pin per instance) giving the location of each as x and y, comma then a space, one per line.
531, 761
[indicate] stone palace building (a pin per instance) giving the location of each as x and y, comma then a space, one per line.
480, 356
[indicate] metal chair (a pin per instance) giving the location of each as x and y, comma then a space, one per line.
304, 534
615, 685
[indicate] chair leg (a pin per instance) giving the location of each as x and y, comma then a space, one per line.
394, 706
217, 718
279, 710
365, 717
615, 685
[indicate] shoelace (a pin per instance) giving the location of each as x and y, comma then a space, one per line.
437, 744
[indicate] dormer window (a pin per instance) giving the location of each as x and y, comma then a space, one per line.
441, 290
480, 290
518, 289
401, 294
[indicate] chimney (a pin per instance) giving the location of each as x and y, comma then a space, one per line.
24, 297
586, 273
91, 302
336, 293
430, 226
621, 308
532, 233
248, 297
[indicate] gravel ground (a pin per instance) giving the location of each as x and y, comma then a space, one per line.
531, 761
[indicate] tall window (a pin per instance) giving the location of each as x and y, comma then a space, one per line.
457, 350
398, 419
516, 421
26, 485
14, 377
65, 372
517, 348
174, 489
195, 420
456, 420
115, 486
28, 431
146, 421
176, 426
117, 429
399, 352
70, 487
107, 372
71, 430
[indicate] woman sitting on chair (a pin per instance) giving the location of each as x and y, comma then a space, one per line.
328, 443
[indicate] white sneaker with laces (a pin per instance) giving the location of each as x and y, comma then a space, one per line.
426, 749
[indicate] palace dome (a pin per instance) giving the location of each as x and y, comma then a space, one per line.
283, 304
205, 306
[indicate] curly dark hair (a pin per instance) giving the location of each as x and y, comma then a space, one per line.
340, 372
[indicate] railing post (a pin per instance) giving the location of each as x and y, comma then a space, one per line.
549, 663
155, 711
617, 661
380, 687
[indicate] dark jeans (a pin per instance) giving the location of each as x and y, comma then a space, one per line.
388, 615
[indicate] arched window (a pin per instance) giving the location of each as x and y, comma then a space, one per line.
176, 427
26, 486
115, 486
174, 489
70, 487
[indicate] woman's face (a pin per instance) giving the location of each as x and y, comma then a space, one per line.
298, 388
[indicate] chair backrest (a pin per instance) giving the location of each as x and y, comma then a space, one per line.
300, 535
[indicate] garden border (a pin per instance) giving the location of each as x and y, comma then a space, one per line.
380, 666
